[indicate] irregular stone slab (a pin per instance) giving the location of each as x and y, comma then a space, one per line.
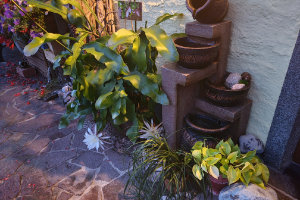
93, 194
77, 183
10, 188
60, 172
49, 160
239, 191
64, 196
115, 189
62, 143
120, 161
89, 159
78, 140
107, 172
8, 166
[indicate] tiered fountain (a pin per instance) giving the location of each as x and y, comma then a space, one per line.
193, 83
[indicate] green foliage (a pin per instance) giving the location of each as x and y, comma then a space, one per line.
160, 171
115, 77
227, 160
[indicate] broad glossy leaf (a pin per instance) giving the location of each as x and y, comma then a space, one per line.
76, 49
100, 76
167, 16
247, 176
139, 52
197, 155
204, 166
225, 147
163, 43
256, 180
265, 173
232, 175
77, 19
115, 110
214, 171
223, 170
62, 11
258, 169
147, 87
198, 145
31, 48
197, 172
248, 166
104, 101
122, 36
211, 160
107, 56
232, 157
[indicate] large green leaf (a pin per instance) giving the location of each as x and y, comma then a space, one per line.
164, 44
139, 52
211, 160
166, 16
104, 101
54, 7
122, 36
247, 176
147, 87
107, 56
31, 48
76, 49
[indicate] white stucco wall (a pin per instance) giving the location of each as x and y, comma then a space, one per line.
263, 38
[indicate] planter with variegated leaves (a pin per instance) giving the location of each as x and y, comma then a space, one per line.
226, 161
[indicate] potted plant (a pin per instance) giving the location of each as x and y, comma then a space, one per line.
158, 171
226, 161
115, 77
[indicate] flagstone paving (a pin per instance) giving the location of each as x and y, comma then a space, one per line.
39, 161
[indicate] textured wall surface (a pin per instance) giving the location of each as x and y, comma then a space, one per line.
263, 37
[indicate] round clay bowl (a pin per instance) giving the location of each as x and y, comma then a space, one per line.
208, 11
196, 55
206, 125
222, 96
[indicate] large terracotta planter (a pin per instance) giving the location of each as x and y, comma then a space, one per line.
208, 11
218, 184
196, 55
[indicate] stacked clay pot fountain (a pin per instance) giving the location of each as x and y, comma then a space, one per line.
201, 107
195, 52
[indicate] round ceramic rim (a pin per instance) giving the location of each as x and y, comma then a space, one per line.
196, 48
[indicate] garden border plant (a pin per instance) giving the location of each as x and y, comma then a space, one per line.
115, 77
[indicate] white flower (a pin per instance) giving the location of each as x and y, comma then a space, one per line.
92, 140
149, 130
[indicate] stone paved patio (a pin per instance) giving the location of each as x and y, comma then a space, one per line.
39, 161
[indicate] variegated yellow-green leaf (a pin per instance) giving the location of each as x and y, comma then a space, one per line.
197, 172
248, 166
198, 145
139, 52
265, 173
232, 175
204, 166
197, 155
211, 160
214, 171
247, 176
232, 157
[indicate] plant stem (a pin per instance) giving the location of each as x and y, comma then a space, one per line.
40, 26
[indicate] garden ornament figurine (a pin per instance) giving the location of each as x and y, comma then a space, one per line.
250, 143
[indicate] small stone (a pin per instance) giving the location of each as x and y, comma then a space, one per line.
232, 79
251, 192
238, 86
250, 143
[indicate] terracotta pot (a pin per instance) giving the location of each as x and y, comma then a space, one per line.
208, 11
196, 55
218, 184
222, 96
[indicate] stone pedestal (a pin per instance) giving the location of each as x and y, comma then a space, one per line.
181, 86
